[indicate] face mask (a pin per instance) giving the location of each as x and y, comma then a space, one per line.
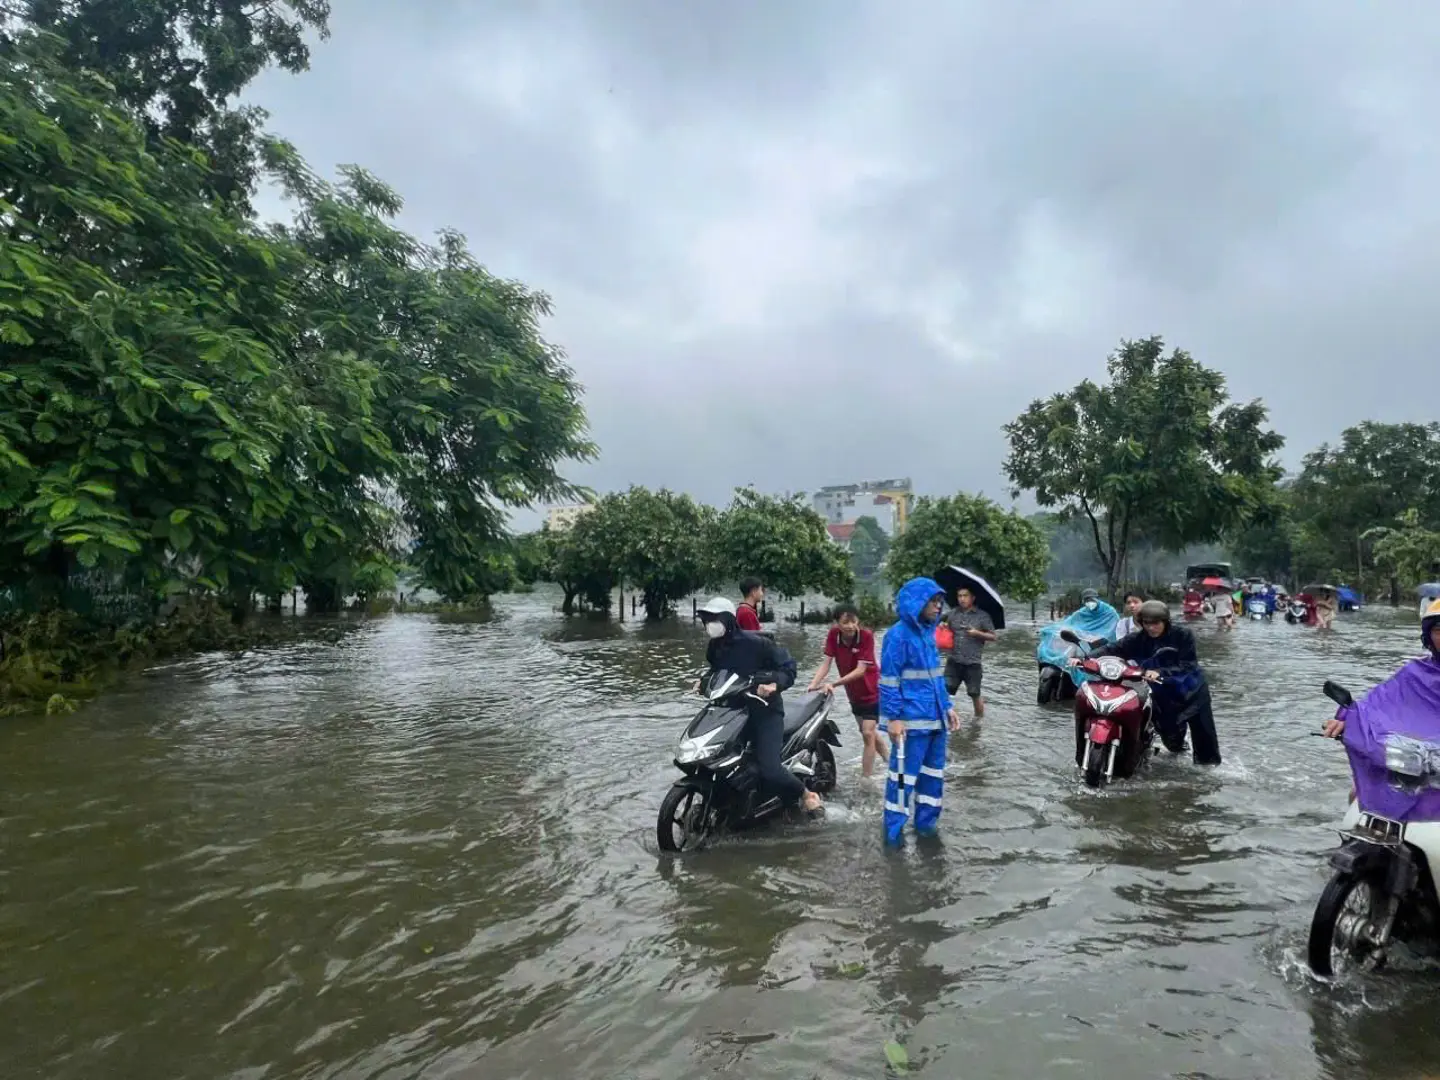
715, 628
1091, 605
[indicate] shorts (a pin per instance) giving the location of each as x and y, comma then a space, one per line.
969, 674
862, 713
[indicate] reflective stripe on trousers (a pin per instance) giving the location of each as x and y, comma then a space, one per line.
916, 783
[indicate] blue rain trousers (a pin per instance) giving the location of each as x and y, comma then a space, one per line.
916, 784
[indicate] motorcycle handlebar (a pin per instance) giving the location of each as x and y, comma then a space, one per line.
1338, 694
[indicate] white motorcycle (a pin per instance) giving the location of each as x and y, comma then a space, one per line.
1383, 887
1256, 609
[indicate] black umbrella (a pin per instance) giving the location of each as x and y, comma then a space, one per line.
954, 578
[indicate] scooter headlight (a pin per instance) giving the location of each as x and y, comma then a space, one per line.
698, 749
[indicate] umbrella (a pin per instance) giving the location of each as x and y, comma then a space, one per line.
953, 578
1313, 589
1215, 583
1429, 590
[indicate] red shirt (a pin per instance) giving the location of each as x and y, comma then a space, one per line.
847, 656
746, 619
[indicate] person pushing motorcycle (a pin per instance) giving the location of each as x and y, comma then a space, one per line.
1182, 696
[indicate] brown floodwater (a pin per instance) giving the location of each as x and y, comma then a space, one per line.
427, 851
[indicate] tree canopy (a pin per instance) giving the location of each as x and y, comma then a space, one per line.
971, 531
188, 397
654, 541
177, 65
869, 545
1160, 449
783, 541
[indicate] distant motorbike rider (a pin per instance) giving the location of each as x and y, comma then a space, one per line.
751, 655
915, 706
1181, 694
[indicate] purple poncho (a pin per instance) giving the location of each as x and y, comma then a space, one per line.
1401, 715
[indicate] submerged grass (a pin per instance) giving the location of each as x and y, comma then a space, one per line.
52, 660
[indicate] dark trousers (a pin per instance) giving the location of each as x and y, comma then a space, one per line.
767, 740
1197, 715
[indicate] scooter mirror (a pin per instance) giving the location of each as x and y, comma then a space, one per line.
1069, 635
1338, 694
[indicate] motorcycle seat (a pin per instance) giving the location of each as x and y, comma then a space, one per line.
800, 713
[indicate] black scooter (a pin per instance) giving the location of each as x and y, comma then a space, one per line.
720, 789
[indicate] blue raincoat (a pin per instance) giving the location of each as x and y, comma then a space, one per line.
912, 689
1052, 650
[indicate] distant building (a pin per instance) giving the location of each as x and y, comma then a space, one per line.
560, 518
887, 501
841, 534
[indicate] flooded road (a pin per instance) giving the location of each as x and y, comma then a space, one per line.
428, 851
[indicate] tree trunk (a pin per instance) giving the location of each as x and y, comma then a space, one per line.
568, 606
1394, 591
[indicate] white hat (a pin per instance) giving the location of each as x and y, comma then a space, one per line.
717, 606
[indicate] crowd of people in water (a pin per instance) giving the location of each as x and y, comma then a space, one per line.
902, 696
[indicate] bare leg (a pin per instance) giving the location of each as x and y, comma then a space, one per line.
979, 707
872, 747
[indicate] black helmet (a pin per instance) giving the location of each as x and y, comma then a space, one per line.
1155, 611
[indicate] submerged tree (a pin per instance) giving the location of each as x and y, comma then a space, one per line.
783, 541
1159, 449
654, 541
971, 531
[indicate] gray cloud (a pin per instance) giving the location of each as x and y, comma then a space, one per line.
798, 243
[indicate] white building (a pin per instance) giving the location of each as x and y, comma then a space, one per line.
560, 518
887, 501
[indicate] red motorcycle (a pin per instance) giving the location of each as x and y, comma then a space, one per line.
1193, 606
1114, 725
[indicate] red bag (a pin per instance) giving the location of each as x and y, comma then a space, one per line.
944, 637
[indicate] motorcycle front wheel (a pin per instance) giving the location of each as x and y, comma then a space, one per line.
826, 774
683, 823
1342, 925
1094, 765
1047, 690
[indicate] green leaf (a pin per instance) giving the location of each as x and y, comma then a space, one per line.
98, 487
63, 508
223, 450
896, 1057
137, 463
177, 517
13, 333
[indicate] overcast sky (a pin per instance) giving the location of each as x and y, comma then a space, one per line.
801, 242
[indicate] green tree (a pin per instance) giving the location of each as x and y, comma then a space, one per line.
179, 64
576, 560
1159, 450
782, 541
868, 547
1374, 474
1407, 550
971, 531
1266, 544
655, 541
189, 400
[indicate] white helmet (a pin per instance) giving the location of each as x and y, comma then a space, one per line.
717, 606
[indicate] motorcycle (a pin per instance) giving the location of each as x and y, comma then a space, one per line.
1055, 681
720, 790
1114, 719
1383, 885
1256, 608
1193, 606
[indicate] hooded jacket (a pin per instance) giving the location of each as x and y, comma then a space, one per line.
745, 654
912, 678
